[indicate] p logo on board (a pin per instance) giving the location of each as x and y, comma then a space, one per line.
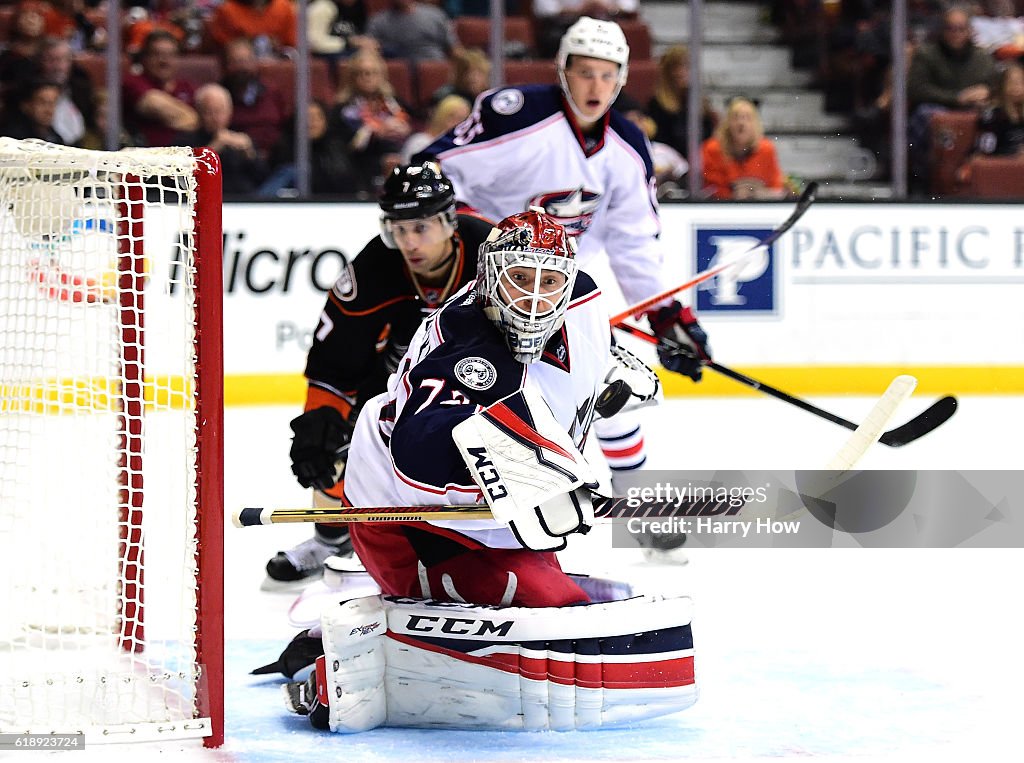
750, 286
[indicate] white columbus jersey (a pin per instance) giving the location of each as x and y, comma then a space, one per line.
402, 452
521, 147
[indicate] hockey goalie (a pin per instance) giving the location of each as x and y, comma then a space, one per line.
478, 626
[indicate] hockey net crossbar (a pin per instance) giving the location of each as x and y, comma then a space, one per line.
111, 412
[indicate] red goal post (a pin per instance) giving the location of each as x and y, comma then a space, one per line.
111, 454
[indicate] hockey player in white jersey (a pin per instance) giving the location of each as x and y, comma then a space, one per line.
492, 402
563, 148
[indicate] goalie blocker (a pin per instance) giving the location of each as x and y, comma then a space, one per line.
417, 663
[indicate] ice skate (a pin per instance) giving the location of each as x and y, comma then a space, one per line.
304, 564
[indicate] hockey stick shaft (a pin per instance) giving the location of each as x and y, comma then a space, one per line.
936, 414
604, 507
802, 205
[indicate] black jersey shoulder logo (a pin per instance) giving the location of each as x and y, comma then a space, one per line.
476, 373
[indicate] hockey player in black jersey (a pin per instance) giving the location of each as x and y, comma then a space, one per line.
424, 253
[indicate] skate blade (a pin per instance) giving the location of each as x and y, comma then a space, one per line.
270, 585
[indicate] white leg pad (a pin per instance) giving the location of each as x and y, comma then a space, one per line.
353, 684
583, 667
446, 665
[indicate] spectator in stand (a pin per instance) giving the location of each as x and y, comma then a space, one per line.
738, 161
76, 101
335, 28
66, 19
367, 105
260, 110
669, 165
272, 25
332, 171
1000, 31
668, 106
1001, 125
156, 104
471, 75
950, 73
18, 60
408, 29
140, 21
96, 130
242, 168
448, 112
34, 105
554, 17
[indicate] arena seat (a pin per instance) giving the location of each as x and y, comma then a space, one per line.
95, 65
996, 177
643, 76
475, 32
430, 75
280, 73
199, 68
952, 136
638, 36
530, 73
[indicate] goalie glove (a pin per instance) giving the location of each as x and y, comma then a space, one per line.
320, 447
630, 384
300, 653
529, 470
682, 343
546, 527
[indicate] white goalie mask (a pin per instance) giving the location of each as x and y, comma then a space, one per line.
593, 38
526, 273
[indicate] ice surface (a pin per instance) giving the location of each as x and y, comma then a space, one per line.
820, 654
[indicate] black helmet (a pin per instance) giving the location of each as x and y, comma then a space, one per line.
414, 191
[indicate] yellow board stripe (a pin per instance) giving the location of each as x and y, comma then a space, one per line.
273, 389
812, 381
99, 394
92, 394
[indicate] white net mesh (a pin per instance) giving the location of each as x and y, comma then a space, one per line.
98, 446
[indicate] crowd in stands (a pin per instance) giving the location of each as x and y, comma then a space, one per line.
388, 75
959, 59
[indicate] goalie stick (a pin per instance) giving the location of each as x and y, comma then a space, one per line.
932, 417
604, 508
802, 205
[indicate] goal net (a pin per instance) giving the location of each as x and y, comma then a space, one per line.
111, 411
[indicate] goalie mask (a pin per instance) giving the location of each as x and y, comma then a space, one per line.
527, 269
416, 192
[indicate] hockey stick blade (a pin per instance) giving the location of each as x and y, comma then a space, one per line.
870, 429
936, 414
931, 418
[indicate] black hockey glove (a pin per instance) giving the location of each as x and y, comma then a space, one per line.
320, 447
682, 343
299, 654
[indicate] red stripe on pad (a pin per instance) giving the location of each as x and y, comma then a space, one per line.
507, 417
655, 674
